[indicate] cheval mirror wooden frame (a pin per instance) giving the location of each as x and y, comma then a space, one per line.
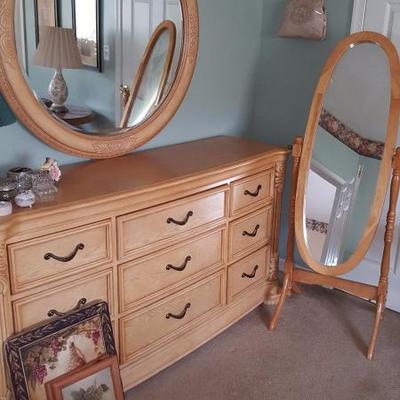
37, 120
301, 159
165, 26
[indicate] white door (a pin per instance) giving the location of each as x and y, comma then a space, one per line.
381, 16
137, 20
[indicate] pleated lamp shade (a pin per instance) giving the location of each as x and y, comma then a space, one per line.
58, 48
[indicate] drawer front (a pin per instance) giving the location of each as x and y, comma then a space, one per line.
152, 275
52, 257
247, 272
248, 232
143, 229
157, 324
252, 191
33, 309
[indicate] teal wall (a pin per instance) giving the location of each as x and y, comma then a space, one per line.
220, 98
288, 71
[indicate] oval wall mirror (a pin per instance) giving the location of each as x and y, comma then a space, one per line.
96, 78
347, 155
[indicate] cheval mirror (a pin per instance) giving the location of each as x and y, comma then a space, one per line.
151, 78
341, 172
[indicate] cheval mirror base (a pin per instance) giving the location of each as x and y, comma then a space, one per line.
305, 156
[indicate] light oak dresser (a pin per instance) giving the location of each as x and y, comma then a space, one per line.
181, 241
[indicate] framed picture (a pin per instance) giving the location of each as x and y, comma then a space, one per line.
46, 14
60, 346
86, 24
98, 381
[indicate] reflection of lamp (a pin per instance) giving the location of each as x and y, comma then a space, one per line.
58, 48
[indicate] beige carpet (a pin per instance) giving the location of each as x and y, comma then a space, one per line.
317, 352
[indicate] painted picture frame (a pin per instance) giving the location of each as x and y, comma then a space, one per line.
100, 380
61, 345
46, 14
86, 24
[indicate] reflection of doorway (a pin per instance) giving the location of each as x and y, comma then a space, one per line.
329, 202
137, 20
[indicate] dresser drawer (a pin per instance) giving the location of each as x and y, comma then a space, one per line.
154, 275
251, 191
140, 231
247, 272
33, 309
250, 232
49, 258
156, 325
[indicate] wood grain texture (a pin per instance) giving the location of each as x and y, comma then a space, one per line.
37, 120
154, 275
141, 230
247, 272
94, 196
33, 309
29, 268
252, 191
151, 327
249, 233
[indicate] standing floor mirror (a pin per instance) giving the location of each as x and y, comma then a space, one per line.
341, 172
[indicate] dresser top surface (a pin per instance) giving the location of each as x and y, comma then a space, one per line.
91, 180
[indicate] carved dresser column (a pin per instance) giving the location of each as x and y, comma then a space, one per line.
5, 315
279, 181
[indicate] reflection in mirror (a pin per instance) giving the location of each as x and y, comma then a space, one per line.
110, 56
346, 155
151, 79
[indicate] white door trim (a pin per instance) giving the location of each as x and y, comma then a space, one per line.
357, 22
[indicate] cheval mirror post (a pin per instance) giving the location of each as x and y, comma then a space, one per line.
347, 154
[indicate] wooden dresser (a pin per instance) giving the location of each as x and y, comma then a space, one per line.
181, 241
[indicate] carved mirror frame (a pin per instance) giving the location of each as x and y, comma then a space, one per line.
58, 135
386, 162
390, 165
165, 26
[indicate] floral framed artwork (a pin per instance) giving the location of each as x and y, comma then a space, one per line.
60, 346
96, 381
86, 24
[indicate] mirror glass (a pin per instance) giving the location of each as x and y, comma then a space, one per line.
346, 155
77, 55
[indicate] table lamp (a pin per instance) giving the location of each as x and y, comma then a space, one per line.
58, 48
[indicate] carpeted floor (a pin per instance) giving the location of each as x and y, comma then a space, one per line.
317, 352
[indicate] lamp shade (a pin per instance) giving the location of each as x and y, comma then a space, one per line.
58, 48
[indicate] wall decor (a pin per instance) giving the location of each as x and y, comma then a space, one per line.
86, 24
100, 380
46, 14
304, 19
59, 346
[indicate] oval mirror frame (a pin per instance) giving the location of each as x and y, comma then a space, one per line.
386, 165
38, 121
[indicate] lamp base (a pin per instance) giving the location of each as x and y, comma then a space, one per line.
58, 92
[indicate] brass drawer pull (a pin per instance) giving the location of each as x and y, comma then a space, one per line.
184, 222
252, 234
81, 303
253, 194
181, 315
181, 268
69, 258
252, 275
